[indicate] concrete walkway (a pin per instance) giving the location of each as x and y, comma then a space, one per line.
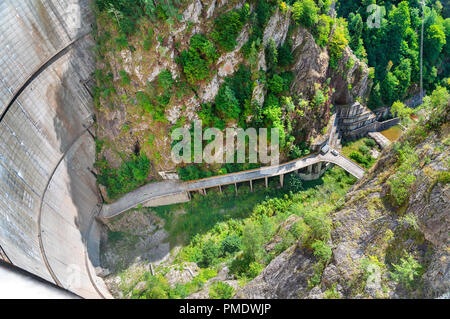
179, 191
381, 140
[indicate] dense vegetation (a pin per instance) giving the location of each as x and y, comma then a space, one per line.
131, 174
393, 49
246, 232
197, 60
127, 15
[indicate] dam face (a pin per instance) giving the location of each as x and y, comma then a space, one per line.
48, 192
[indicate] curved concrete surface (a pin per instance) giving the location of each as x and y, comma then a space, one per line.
18, 284
178, 191
48, 195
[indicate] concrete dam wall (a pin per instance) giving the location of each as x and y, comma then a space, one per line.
48, 193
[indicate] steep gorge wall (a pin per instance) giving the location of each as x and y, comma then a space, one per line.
48, 195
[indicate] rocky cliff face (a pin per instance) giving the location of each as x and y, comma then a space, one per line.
125, 131
371, 234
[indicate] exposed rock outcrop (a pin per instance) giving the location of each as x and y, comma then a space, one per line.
351, 79
311, 63
369, 226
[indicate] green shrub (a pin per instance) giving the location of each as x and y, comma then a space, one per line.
254, 269
370, 142
285, 57
242, 84
131, 174
400, 186
221, 290
276, 84
253, 239
407, 272
210, 253
294, 183
365, 161
231, 244
299, 151
165, 79
364, 149
321, 250
144, 102
322, 30
125, 78
337, 43
228, 26
122, 41
271, 54
198, 58
148, 41
226, 103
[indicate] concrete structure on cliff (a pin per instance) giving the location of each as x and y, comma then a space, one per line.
356, 120
48, 195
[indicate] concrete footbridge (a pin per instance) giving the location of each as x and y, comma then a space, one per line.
172, 192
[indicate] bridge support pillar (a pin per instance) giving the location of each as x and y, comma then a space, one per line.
220, 189
310, 167
316, 168
267, 182
282, 180
235, 188
251, 186
319, 167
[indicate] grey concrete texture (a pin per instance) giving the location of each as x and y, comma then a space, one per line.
33, 31
48, 195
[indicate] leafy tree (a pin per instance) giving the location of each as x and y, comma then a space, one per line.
434, 41
253, 239
370, 142
226, 103
389, 88
254, 269
131, 174
242, 84
197, 59
305, 12
271, 54
402, 111
400, 185
403, 74
294, 183
355, 28
285, 56
229, 25
364, 149
322, 30
338, 43
276, 84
